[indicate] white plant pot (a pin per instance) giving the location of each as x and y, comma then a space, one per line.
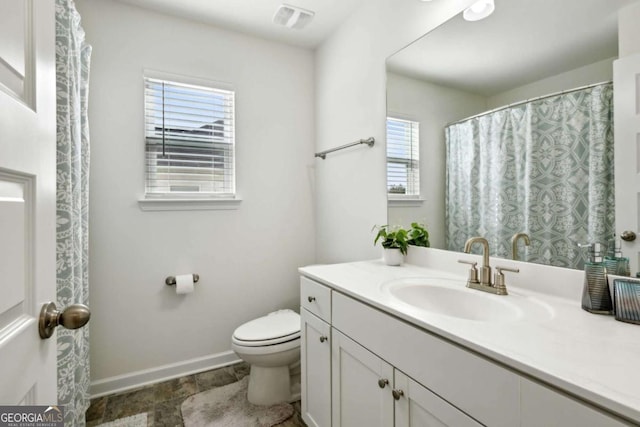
392, 256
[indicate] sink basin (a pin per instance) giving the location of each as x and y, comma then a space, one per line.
452, 298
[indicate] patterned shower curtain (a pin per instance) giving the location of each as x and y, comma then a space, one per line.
72, 82
544, 167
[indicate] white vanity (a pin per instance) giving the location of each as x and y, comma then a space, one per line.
378, 350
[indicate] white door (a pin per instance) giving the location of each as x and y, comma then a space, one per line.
626, 110
416, 406
27, 199
316, 371
360, 385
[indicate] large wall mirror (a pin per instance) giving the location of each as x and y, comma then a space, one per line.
540, 67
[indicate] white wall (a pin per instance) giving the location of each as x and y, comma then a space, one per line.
597, 72
247, 258
433, 106
629, 30
350, 104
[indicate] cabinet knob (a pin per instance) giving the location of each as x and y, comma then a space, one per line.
397, 394
323, 338
382, 382
311, 299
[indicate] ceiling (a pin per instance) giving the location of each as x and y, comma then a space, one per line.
255, 16
522, 42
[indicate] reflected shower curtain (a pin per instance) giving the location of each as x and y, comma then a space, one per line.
543, 167
72, 81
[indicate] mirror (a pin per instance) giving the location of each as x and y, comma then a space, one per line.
523, 51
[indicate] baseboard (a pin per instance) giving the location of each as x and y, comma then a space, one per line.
137, 379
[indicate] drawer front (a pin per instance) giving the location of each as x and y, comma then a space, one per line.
542, 406
316, 298
470, 382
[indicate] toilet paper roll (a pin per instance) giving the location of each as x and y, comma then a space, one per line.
184, 284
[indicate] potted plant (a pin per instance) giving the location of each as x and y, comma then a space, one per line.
418, 235
394, 243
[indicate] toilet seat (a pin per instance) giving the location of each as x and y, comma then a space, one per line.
279, 327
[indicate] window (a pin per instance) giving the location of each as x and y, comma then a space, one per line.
189, 140
403, 160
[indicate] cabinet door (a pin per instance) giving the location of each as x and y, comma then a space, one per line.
359, 397
316, 371
416, 406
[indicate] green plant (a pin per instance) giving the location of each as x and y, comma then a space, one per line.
392, 237
418, 235
397, 189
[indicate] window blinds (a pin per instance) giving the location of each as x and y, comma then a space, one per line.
189, 140
403, 160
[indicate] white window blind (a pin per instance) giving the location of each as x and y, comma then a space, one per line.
189, 139
403, 159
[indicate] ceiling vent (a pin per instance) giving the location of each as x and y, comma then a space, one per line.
292, 17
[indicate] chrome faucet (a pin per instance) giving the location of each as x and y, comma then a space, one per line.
514, 243
484, 284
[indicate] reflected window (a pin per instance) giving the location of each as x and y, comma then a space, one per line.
403, 159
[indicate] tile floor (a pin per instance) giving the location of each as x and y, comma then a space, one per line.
162, 401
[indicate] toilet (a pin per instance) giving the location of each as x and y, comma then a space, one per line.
271, 345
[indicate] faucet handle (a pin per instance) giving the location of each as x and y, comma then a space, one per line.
473, 272
498, 279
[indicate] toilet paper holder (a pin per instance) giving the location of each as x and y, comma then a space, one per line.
171, 280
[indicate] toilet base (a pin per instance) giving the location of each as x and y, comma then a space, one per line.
269, 386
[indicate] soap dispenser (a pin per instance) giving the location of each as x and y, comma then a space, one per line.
614, 261
595, 294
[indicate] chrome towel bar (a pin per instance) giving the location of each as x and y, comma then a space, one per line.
369, 141
171, 280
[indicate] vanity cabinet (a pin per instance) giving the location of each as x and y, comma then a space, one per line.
374, 369
367, 391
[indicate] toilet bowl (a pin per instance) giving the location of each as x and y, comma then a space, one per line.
271, 345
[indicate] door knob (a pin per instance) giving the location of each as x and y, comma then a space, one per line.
73, 317
628, 236
382, 382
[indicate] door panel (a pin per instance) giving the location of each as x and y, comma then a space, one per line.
316, 368
357, 399
27, 199
419, 407
626, 86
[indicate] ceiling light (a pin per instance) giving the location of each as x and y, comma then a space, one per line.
479, 10
292, 17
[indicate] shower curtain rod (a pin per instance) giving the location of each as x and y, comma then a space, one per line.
537, 98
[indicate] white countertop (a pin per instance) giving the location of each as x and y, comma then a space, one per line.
590, 356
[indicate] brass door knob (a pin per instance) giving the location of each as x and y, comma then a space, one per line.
73, 317
628, 236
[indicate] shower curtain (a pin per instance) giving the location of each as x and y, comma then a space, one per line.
72, 80
543, 167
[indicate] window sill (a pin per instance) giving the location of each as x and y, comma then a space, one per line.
188, 204
401, 202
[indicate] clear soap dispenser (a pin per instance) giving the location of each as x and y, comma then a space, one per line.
595, 293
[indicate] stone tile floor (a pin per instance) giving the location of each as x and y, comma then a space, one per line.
162, 401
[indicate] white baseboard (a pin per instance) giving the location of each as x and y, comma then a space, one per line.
137, 379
